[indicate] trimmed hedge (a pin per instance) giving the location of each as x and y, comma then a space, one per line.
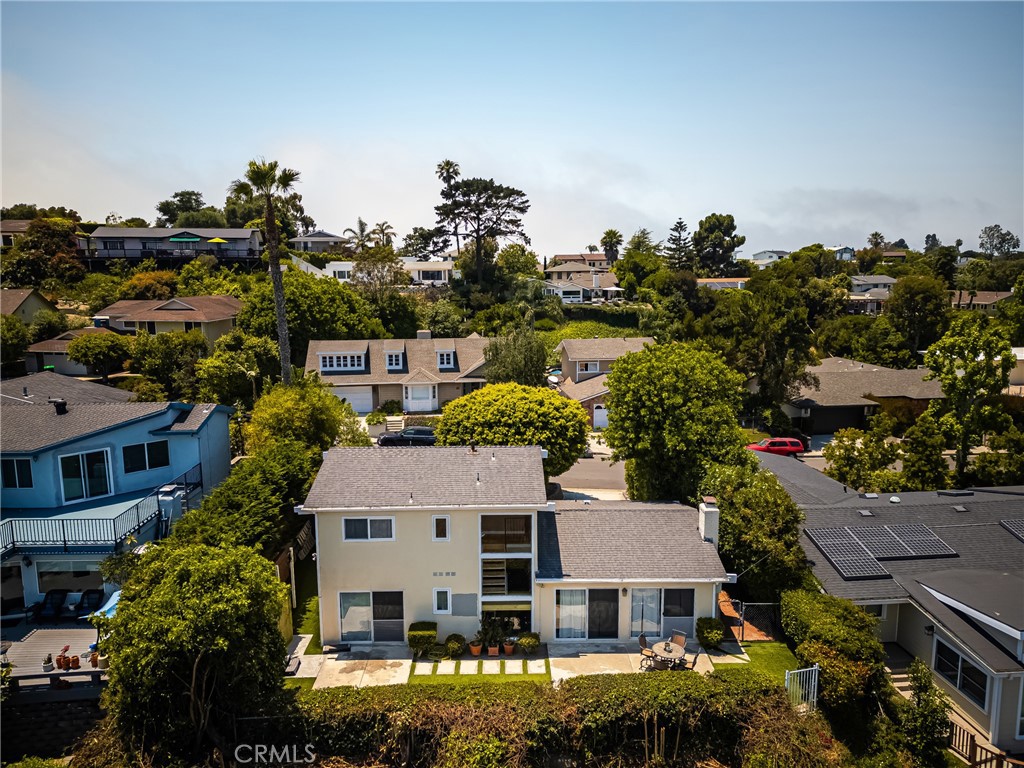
422, 635
391, 408
710, 632
455, 644
376, 417
422, 421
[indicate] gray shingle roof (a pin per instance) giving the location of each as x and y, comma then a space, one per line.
846, 382
194, 309
374, 478
46, 384
586, 389
420, 356
26, 430
60, 343
985, 590
804, 484
624, 540
602, 349
12, 298
158, 233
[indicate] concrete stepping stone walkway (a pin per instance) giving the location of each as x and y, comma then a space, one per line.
445, 667
491, 667
514, 667
468, 667
536, 667
423, 668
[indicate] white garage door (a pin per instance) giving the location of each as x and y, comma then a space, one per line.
600, 417
360, 398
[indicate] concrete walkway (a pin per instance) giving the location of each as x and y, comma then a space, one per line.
379, 664
309, 666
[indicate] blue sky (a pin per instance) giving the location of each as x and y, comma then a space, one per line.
810, 122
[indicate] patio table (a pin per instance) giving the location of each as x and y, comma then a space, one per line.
669, 651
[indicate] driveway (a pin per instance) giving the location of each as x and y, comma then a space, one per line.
381, 664
595, 477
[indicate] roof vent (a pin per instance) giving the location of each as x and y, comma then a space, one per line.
959, 508
24, 391
60, 405
865, 513
954, 493
869, 495
478, 478
894, 499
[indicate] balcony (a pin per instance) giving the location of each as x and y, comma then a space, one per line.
506, 578
505, 533
66, 529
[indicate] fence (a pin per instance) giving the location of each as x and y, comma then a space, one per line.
965, 744
802, 686
752, 621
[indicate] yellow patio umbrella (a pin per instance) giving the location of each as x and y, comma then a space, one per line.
216, 240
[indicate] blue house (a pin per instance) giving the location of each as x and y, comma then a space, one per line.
82, 479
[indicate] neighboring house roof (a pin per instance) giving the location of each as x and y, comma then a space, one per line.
585, 390
59, 344
718, 283
804, 484
315, 236
871, 294
844, 382
602, 349
159, 233
12, 298
861, 280
981, 298
46, 384
604, 280
196, 417
395, 478
582, 258
194, 309
27, 430
624, 540
570, 268
15, 227
420, 355
984, 590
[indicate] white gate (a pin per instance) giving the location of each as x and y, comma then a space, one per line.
600, 417
802, 685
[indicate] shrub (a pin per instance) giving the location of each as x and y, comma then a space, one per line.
529, 642
710, 632
422, 635
422, 421
377, 417
391, 408
455, 644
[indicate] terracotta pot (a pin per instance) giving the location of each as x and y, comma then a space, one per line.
65, 663
475, 648
492, 650
94, 659
76, 662
510, 648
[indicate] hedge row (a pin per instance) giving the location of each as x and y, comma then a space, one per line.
733, 715
840, 638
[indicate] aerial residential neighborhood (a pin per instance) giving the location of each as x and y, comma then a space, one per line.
374, 393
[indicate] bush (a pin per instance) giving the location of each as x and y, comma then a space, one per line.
455, 644
391, 408
422, 635
710, 632
422, 421
377, 417
529, 642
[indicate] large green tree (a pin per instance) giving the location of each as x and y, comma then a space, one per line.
317, 308
997, 242
679, 251
185, 201
924, 466
918, 307
377, 272
519, 357
715, 242
972, 362
209, 217
305, 411
105, 352
170, 360
759, 530
862, 459
194, 644
448, 171
511, 414
14, 339
673, 412
238, 369
483, 209
611, 241
641, 260
264, 180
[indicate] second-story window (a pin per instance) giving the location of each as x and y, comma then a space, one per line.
368, 529
394, 360
340, 362
143, 456
590, 367
440, 532
445, 359
342, 274
17, 473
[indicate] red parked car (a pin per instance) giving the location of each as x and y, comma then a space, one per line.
783, 446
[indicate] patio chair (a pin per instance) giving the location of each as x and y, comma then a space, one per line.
643, 641
660, 664
90, 602
647, 659
52, 606
679, 638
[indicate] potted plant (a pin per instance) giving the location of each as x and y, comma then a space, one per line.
375, 423
48, 663
509, 646
103, 661
492, 634
529, 642
476, 645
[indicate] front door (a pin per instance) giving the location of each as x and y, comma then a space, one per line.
421, 398
603, 614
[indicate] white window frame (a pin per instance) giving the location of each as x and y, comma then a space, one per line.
880, 616
343, 274
447, 527
446, 359
959, 673
448, 592
80, 454
394, 360
337, 361
585, 367
368, 538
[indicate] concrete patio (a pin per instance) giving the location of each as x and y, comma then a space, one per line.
573, 659
379, 664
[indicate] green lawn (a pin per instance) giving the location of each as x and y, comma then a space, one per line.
753, 436
306, 616
458, 679
299, 683
774, 658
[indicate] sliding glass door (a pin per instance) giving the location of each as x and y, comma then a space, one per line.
603, 614
376, 616
645, 613
570, 613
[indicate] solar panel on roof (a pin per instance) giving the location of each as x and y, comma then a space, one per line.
1016, 527
881, 543
847, 555
921, 540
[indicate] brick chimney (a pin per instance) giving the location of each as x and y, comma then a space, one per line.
707, 519
423, 333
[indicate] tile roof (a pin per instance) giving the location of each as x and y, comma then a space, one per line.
420, 355
60, 343
46, 384
602, 349
195, 309
158, 233
844, 382
586, 389
15, 226
624, 540
604, 280
12, 298
375, 478
27, 430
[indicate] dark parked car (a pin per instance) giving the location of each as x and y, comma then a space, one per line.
408, 436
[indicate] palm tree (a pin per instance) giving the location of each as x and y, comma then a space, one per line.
876, 240
383, 233
360, 236
448, 171
263, 179
610, 242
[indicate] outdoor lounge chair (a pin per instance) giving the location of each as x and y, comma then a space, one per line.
52, 606
90, 602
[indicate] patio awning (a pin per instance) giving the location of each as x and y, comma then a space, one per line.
185, 239
506, 606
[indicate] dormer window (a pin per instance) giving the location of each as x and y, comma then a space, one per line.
445, 359
341, 362
394, 360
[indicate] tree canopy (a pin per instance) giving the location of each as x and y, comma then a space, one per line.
519, 357
512, 414
104, 352
715, 242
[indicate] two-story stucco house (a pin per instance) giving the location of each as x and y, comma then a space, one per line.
456, 535
172, 242
422, 373
843, 252
429, 273
585, 367
79, 478
23, 303
213, 315
318, 241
